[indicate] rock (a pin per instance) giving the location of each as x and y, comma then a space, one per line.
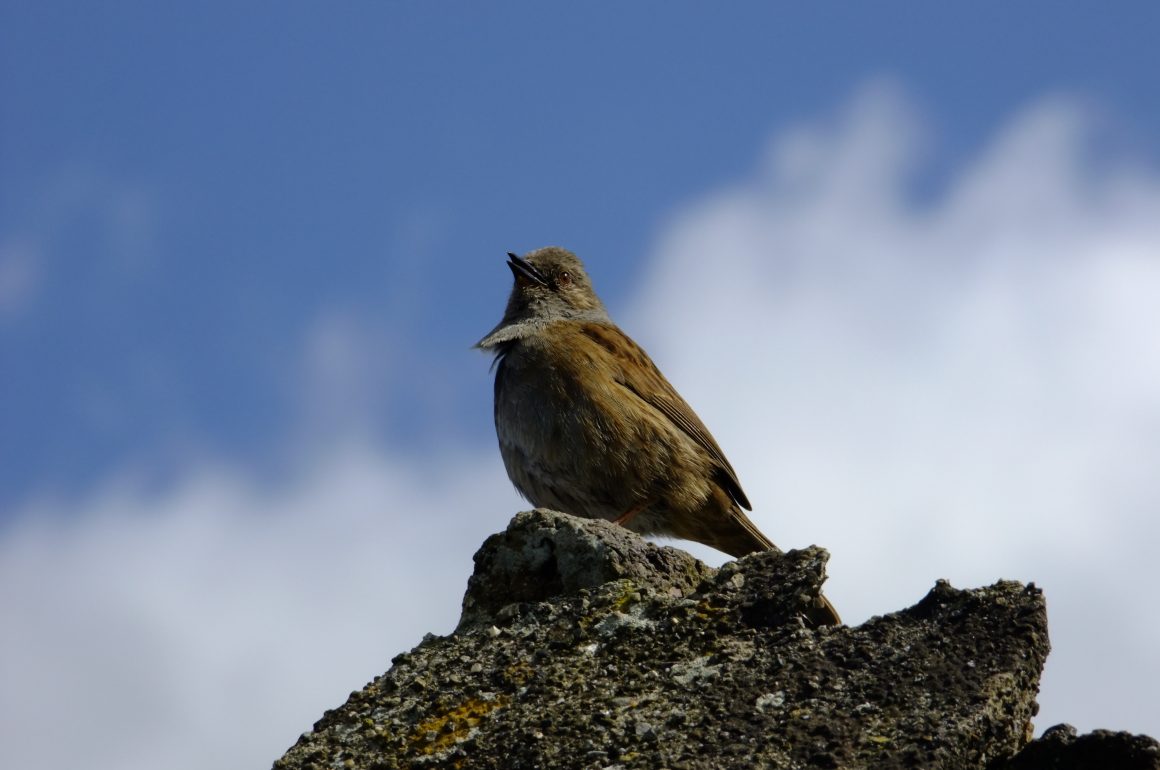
543, 554
1060, 749
581, 645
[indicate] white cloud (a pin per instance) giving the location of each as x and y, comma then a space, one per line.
967, 387
116, 217
19, 276
344, 377
208, 624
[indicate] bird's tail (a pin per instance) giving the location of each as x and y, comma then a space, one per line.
745, 538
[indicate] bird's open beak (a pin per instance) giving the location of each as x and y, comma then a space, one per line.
525, 271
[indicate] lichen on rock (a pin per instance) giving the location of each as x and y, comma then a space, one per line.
582, 645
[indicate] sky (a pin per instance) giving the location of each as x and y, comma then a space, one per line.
903, 261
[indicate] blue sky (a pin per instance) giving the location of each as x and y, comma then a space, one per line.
200, 183
901, 259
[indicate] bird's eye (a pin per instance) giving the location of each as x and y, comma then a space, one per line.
564, 278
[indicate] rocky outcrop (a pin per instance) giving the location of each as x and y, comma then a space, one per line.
1060, 749
581, 645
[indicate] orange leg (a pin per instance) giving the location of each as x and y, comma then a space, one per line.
628, 515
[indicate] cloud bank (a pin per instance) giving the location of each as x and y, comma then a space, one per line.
208, 623
964, 385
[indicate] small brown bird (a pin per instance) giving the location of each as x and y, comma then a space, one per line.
588, 425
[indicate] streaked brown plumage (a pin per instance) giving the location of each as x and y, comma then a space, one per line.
588, 425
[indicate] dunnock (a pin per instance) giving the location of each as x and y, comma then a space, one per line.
588, 425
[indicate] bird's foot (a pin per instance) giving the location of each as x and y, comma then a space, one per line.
628, 515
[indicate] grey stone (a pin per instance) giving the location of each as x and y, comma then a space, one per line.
1059, 748
581, 645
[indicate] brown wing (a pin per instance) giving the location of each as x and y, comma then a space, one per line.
641, 376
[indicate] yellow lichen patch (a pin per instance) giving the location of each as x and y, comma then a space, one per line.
629, 595
707, 610
626, 594
437, 733
518, 674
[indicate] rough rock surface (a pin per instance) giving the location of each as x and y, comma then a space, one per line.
1060, 749
581, 645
